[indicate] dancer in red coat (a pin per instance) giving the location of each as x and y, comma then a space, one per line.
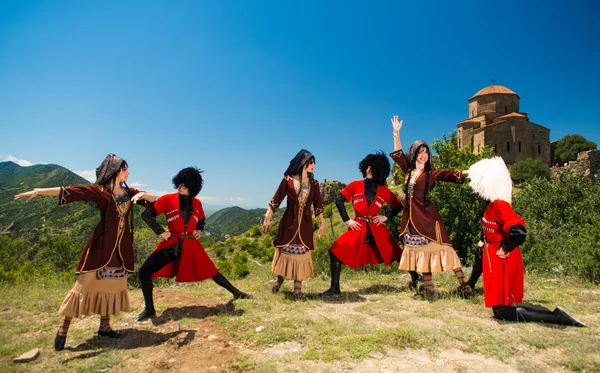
367, 240
180, 254
502, 263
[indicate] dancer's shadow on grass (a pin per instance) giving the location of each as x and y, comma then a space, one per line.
196, 312
131, 339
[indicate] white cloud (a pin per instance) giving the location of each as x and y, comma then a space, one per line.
89, 175
136, 184
20, 162
158, 193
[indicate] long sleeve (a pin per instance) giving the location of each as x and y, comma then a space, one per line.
450, 176
200, 224
339, 203
317, 199
149, 217
279, 196
399, 157
517, 234
85, 193
394, 211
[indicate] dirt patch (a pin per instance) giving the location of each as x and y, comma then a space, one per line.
182, 338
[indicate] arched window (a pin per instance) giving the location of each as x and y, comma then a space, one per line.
539, 149
505, 109
519, 146
495, 148
508, 146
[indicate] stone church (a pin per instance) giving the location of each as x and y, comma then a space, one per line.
495, 121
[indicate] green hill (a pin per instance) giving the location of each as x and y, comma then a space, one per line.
19, 217
232, 221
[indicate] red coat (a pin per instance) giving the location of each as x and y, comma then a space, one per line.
350, 247
194, 265
502, 277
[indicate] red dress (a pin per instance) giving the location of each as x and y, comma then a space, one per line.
194, 264
502, 277
350, 248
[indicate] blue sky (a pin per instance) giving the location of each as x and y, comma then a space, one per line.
238, 87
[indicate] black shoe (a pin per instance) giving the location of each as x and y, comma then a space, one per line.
331, 292
110, 334
565, 319
275, 288
59, 342
242, 295
146, 314
466, 291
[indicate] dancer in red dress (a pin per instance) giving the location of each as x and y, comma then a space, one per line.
367, 240
180, 254
502, 263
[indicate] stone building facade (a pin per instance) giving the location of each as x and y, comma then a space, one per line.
495, 121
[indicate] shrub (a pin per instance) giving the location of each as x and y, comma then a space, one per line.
528, 169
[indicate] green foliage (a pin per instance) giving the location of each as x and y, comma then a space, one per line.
569, 146
527, 169
563, 226
459, 207
225, 267
254, 231
240, 265
328, 210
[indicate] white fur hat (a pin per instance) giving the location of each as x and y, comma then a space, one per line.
490, 179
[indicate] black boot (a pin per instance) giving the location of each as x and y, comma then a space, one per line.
220, 280
335, 265
558, 316
477, 268
414, 280
149, 310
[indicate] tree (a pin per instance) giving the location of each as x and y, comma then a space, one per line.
569, 146
527, 169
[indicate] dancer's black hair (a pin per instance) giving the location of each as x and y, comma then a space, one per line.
380, 167
297, 163
191, 178
411, 155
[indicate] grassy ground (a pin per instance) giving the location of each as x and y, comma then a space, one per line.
373, 326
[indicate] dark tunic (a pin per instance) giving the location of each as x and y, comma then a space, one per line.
111, 243
425, 220
192, 263
352, 247
296, 223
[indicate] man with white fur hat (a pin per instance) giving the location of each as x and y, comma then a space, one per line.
503, 232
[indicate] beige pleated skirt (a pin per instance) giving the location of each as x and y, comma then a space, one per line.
433, 257
106, 297
297, 267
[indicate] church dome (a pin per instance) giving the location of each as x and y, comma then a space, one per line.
494, 89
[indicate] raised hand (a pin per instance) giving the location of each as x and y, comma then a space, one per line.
396, 123
137, 197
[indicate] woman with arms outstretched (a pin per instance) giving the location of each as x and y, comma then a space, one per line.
101, 285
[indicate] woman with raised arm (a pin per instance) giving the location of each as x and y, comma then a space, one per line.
180, 254
427, 247
367, 240
101, 285
294, 240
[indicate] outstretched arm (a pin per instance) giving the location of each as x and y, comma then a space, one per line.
37, 192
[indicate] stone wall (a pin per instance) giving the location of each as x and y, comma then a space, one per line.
587, 163
499, 103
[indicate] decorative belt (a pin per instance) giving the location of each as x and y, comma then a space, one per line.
368, 219
487, 243
184, 235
